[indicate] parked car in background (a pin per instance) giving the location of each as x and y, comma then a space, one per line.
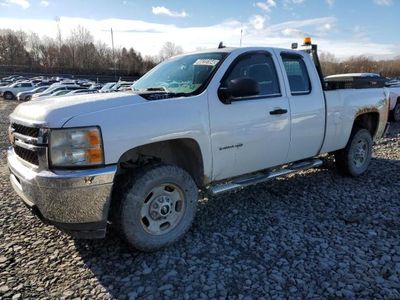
107, 87
122, 86
82, 91
393, 82
66, 82
95, 87
10, 92
84, 83
59, 93
55, 88
26, 96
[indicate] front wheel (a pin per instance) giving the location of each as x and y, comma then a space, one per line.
158, 207
8, 96
355, 158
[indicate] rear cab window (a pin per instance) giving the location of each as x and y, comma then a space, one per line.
297, 74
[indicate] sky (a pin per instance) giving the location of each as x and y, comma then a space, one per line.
342, 27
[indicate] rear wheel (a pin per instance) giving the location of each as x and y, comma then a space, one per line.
8, 96
27, 98
355, 158
158, 207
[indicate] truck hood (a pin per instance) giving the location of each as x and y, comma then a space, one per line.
55, 112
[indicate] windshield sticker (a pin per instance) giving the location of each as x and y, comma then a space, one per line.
206, 62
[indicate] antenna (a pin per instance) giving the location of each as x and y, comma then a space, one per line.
113, 52
221, 45
241, 36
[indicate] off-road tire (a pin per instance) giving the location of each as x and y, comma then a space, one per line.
344, 158
8, 96
128, 218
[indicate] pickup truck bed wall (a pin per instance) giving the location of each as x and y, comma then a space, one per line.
343, 107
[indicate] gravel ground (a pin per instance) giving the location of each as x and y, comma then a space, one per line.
310, 235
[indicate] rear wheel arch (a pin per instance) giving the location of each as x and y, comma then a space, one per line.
367, 120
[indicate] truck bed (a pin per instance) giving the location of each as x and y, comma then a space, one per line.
342, 107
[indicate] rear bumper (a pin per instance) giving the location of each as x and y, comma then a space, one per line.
76, 202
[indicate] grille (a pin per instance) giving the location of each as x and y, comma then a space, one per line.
29, 131
28, 155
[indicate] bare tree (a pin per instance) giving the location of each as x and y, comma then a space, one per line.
79, 54
168, 50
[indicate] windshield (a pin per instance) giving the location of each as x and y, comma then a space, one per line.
53, 89
107, 86
39, 89
183, 74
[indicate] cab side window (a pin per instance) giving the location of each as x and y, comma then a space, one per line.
297, 74
259, 67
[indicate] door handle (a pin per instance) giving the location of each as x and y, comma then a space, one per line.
278, 111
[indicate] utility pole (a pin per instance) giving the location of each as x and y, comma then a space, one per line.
59, 39
241, 36
113, 52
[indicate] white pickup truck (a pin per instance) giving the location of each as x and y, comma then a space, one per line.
216, 120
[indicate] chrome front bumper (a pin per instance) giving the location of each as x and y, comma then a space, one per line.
75, 201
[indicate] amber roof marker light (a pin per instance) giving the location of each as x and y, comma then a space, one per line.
307, 41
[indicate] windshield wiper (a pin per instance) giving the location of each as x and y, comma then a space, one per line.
156, 89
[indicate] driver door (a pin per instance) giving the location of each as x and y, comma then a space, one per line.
252, 132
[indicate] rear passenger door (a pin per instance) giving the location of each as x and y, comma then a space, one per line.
253, 132
26, 86
307, 105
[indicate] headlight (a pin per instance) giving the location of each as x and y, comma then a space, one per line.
76, 147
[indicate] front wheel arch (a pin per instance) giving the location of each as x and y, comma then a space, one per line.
184, 153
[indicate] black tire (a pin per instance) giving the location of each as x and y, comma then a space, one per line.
8, 96
349, 161
138, 197
27, 98
395, 113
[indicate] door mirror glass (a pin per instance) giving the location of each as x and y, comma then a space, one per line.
238, 88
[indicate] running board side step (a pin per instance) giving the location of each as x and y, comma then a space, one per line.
259, 177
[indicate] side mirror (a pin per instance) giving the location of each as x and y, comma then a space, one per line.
237, 88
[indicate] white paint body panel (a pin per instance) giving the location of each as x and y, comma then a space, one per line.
264, 138
307, 114
342, 109
128, 121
